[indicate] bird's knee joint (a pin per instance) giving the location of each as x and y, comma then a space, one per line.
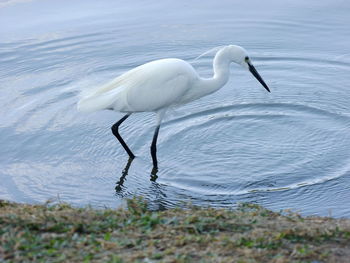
114, 129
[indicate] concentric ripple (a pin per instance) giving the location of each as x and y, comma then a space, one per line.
255, 147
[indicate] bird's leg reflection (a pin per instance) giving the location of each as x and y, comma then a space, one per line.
120, 183
154, 175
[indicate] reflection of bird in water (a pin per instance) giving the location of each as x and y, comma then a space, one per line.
158, 201
160, 84
120, 183
118, 187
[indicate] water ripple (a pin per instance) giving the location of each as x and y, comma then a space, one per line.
290, 138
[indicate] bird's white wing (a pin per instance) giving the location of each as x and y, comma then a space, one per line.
104, 96
159, 91
149, 87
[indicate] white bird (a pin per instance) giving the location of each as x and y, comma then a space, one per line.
160, 84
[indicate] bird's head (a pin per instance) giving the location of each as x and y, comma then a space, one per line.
240, 56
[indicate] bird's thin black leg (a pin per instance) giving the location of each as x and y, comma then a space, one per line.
154, 148
115, 131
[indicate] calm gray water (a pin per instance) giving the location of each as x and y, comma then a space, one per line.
287, 149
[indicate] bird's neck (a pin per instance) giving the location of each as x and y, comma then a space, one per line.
221, 65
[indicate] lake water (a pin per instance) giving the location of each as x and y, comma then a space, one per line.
286, 149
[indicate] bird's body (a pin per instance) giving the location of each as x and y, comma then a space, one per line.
149, 87
160, 84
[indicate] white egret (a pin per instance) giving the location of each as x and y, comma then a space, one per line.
160, 84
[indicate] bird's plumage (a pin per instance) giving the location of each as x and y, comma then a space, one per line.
149, 87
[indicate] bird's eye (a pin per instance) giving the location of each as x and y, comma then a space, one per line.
246, 59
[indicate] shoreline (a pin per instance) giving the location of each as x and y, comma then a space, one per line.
250, 233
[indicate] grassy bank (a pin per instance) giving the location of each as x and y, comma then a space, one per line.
251, 233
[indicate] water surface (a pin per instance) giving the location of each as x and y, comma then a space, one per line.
287, 149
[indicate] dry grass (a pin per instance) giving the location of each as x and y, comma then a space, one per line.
60, 233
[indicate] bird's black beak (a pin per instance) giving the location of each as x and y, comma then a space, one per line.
257, 76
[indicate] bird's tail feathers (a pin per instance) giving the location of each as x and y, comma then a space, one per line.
99, 101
